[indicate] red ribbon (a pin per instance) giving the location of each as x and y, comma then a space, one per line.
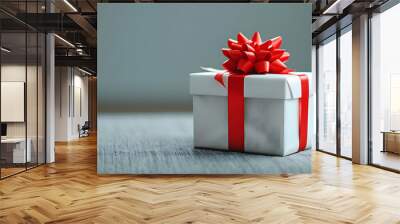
236, 112
256, 57
303, 111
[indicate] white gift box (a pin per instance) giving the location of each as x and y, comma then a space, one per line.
271, 112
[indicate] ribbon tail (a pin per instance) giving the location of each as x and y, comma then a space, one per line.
219, 77
209, 69
303, 112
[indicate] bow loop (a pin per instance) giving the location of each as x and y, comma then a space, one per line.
234, 45
242, 39
250, 48
255, 56
245, 65
256, 38
229, 65
276, 42
277, 66
251, 56
285, 57
276, 54
266, 45
232, 54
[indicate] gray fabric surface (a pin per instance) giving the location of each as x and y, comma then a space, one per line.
162, 143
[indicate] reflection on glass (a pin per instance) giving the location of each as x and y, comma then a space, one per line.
394, 101
346, 93
327, 96
385, 114
31, 100
22, 91
14, 150
41, 98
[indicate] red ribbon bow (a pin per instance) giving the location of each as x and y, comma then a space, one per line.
256, 57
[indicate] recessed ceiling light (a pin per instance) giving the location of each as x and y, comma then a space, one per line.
5, 50
84, 71
64, 40
70, 5
337, 7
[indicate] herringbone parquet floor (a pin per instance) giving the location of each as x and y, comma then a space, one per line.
70, 191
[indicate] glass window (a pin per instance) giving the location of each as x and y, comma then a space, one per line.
346, 92
385, 89
314, 81
22, 91
327, 96
14, 151
41, 87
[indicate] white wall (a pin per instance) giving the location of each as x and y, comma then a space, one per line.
79, 117
71, 102
16, 72
34, 126
62, 82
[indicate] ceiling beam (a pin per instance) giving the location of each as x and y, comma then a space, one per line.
82, 61
86, 26
337, 7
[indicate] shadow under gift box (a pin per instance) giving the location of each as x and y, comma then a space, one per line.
271, 113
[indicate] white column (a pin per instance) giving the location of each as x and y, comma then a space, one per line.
360, 90
50, 99
50, 92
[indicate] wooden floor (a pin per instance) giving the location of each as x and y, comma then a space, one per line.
387, 159
5, 172
70, 191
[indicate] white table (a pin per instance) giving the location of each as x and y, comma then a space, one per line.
19, 154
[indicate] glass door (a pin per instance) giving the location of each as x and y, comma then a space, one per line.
326, 136
334, 81
14, 153
346, 74
22, 98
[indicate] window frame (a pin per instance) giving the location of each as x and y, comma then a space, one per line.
334, 37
